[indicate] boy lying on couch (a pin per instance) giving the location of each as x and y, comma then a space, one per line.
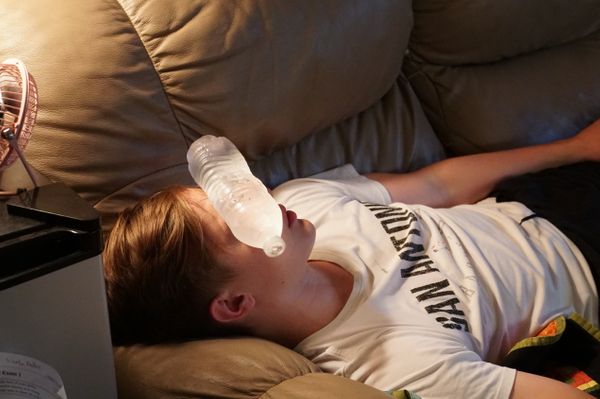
419, 281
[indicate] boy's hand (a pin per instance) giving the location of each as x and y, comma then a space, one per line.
587, 142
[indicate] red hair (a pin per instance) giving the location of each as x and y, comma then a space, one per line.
160, 276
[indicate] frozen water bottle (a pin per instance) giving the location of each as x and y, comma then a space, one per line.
241, 199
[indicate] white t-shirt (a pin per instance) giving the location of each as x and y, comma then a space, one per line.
438, 294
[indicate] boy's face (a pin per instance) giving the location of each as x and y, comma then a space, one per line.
250, 265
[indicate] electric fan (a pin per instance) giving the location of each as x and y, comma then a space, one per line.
18, 109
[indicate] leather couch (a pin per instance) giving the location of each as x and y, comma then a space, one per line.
300, 86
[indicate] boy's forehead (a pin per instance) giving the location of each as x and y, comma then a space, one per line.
213, 225
197, 192
195, 195
198, 200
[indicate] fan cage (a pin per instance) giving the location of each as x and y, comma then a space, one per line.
18, 108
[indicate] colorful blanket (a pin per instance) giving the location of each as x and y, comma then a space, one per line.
567, 349
403, 394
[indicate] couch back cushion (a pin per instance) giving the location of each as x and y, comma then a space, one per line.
125, 86
499, 74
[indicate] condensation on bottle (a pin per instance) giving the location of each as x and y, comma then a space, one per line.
241, 199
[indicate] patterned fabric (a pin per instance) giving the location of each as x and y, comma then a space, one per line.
567, 349
403, 394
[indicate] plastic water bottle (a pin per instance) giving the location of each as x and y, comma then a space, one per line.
241, 199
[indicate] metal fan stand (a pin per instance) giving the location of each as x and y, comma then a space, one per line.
10, 136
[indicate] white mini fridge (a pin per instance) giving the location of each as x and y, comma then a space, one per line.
54, 323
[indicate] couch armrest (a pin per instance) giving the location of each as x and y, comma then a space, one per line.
236, 368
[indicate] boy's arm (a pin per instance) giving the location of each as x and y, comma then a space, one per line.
531, 386
470, 178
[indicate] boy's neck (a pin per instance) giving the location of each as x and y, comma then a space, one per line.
324, 294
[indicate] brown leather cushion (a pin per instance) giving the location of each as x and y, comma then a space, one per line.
496, 75
126, 85
238, 368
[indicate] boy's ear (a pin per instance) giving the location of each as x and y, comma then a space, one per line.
229, 307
